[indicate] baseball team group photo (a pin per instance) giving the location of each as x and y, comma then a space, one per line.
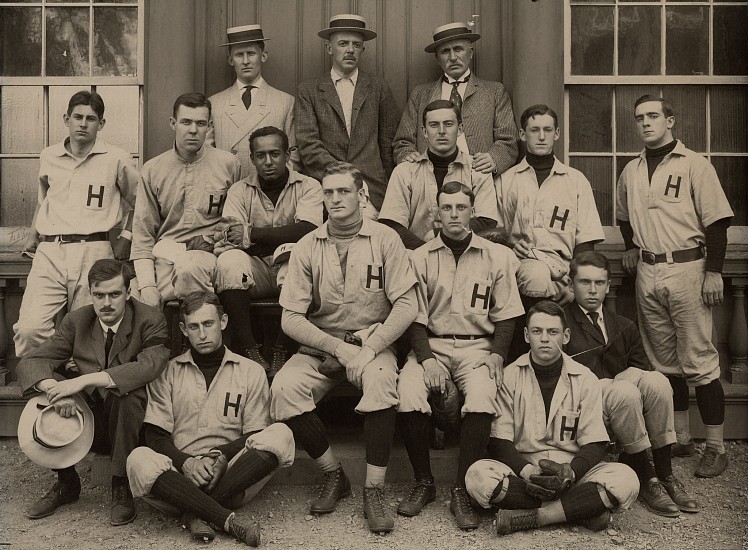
208, 291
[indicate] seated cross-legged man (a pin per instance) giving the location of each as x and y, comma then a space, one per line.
637, 401
467, 302
348, 280
210, 444
410, 206
549, 438
272, 207
118, 345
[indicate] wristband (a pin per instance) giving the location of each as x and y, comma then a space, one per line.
125, 234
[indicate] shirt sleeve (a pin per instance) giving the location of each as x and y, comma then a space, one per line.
296, 294
147, 220
708, 196
622, 205
485, 196
159, 411
589, 227
506, 302
234, 207
128, 179
396, 205
399, 278
309, 205
503, 426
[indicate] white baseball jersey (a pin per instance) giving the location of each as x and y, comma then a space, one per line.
201, 418
300, 200
555, 216
575, 417
469, 296
671, 212
84, 196
411, 193
178, 200
378, 273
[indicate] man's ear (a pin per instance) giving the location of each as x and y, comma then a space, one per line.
173, 123
224, 321
183, 328
567, 336
527, 335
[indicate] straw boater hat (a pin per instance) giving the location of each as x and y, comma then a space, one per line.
347, 22
244, 34
51, 440
451, 31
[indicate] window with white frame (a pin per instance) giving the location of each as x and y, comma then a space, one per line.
694, 53
49, 50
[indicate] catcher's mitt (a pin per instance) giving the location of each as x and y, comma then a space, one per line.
555, 480
498, 236
445, 407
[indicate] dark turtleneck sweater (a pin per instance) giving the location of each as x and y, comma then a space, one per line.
160, 440
588, 455
266, 239
541, 164
715, 234
418, 332
441, 165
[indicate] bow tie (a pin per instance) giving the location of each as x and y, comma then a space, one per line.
456, 82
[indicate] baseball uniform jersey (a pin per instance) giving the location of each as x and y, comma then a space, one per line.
76, 197
411, 193
669, 214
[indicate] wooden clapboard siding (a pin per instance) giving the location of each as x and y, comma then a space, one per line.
296, 52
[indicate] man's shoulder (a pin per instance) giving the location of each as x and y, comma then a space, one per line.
310, 85
279, 95
422, 91
223, 94
143, 313
81, 316
152, 165
222, 157
491, 85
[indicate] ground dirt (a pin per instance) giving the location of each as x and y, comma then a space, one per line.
282, 511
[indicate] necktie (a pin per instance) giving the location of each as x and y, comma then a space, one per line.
247, 96
108, 346
594, 316
454, 95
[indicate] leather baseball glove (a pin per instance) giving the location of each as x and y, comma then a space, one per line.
555, 480
445, 407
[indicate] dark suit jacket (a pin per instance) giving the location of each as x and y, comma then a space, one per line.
322, 137
623, 350
138, 353
487, 117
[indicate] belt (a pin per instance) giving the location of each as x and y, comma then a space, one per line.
677, 256
459, 336
63, 239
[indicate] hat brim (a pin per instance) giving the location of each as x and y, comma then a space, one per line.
244, 42
472, 36
54, 458
326, 33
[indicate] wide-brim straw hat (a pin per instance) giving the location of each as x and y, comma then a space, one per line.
347, 22
244, 34
451, 31
51, 440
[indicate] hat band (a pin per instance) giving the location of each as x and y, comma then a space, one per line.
450, 32
245, 36
347, 23
46, 445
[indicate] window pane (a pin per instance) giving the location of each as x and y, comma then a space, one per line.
591, 40
122, 113
733, 175
689, 103
67, 41
621, 163
116, 41
18, 193
730, 44
20, 41
21, 114
639, 40
59, 96
598, 171
729, 111
687, 40
590, 118
627, 138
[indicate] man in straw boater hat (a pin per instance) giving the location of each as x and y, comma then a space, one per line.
348, 115
118, 346
250, 103
490, 131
